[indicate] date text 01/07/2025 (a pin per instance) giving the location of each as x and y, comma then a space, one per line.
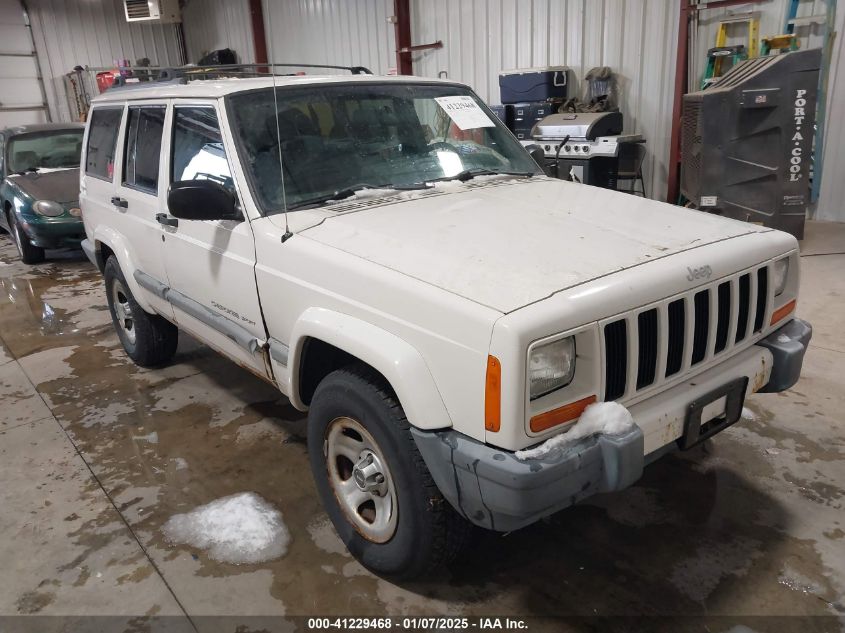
417, 624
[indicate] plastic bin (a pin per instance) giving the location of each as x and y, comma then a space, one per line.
534, 84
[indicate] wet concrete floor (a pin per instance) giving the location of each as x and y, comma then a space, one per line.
97, 454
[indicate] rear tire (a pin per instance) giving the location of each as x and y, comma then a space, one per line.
148, 339
359, 444
29, 254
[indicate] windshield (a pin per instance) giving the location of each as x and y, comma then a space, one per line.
53, 149
336, 139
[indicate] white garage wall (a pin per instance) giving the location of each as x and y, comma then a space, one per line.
214, 24
340, 32
92, 33
831, 204
636, 38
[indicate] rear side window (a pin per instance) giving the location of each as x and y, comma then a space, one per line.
143, 147
102, 142
198, 152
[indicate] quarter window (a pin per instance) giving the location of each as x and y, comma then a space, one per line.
102, 141
143, 147
198, 152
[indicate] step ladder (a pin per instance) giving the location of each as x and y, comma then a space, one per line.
715, 56
713, 70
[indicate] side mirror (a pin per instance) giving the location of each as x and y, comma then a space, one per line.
537, 153
201, 200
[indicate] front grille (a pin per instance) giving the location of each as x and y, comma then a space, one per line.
701, 329
762, 295
647, 343
615, 359
678, 333
723, 316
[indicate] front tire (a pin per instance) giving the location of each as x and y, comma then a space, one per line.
148, 339
373, 481
29, 254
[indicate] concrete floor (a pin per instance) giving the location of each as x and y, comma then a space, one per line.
96, 454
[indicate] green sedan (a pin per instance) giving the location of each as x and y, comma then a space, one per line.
39, 194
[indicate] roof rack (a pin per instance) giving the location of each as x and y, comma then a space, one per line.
184, 74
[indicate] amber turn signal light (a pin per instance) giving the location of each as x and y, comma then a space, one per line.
566, 413
493, 395
783, 311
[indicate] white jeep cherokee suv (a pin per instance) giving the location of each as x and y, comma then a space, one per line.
385, 252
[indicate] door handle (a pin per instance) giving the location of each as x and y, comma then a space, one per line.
166, 220
120, 202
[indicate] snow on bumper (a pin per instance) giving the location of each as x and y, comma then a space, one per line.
494, 489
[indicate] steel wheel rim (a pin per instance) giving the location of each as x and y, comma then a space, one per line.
360, 479
123, 311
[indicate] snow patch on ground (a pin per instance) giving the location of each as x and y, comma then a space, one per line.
606, 418
241, 528
748, 414
180, 462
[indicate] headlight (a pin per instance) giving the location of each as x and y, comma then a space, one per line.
551, 367
781, 273
48, 208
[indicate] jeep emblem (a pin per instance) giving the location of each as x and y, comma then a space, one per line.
699, 273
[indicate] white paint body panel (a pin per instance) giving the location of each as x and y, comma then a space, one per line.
508, 246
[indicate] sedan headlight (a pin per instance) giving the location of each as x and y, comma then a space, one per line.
48, 208
781, 274
551, 367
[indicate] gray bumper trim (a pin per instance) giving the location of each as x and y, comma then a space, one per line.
90, 252
787, 345
495, 490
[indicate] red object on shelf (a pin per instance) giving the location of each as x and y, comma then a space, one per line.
105, 79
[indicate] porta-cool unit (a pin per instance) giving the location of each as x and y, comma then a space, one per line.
746, 141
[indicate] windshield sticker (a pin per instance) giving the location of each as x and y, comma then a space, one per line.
464, 111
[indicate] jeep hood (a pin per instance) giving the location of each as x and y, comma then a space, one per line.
506, 245
59, 185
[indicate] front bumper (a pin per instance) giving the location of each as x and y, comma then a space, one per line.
495, 490
53, 233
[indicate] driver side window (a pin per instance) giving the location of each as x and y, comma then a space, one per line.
198, 152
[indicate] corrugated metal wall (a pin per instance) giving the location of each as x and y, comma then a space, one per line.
214, 24
92, 33
342, 32
636, 38
831, 204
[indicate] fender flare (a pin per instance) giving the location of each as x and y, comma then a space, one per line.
399, 362
119, 246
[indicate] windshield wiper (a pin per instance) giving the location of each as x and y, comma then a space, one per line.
469, 174
348, 192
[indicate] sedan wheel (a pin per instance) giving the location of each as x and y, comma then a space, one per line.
29, 254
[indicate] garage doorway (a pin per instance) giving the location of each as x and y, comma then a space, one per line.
22, 96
